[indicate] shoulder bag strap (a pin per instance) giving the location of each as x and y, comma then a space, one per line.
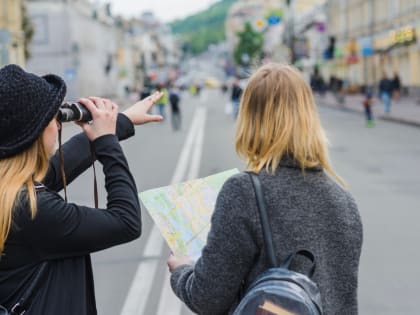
25, 301
268, 240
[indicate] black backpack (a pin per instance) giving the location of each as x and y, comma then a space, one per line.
279, 290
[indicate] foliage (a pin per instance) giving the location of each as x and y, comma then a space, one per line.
28, 31
249, 46
207, 27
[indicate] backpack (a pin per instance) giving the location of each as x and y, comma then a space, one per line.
279, 290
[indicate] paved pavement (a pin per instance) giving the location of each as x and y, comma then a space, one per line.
406, 110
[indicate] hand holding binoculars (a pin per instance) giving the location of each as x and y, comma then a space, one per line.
73, 111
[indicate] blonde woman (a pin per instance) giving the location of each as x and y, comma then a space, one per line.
280, 136
36, 224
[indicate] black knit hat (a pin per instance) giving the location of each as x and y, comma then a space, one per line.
27, 105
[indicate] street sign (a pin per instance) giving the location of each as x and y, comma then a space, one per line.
273, 20
260, 25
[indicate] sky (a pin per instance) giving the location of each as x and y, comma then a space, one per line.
165, 10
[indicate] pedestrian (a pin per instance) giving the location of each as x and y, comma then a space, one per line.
197, 89
367, 104
193, 90
174, 99
163, 100
224, 88
41, 234
145, 92
236, 97
307, 204
385, 93
317, 82
336, 87
396, 86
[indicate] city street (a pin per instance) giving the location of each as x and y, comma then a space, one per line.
380, 165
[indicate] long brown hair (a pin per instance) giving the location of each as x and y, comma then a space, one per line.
18, 174
278, 117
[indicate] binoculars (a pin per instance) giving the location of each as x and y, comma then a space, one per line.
73, 111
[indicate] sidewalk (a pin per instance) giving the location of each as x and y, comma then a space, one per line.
406, 110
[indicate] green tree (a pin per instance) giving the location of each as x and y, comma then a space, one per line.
249, 46
207, 27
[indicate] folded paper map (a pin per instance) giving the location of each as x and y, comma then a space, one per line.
182, 211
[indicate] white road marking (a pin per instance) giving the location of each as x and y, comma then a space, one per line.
169, 302
139, 292
186, 150
137, 299
198, 146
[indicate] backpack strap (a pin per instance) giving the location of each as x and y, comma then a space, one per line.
268, 240
39, 186
266, 229
303, 252
21, 306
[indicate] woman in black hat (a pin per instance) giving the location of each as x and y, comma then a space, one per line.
45, 242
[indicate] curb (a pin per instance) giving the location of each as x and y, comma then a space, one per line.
381, 117
400, 121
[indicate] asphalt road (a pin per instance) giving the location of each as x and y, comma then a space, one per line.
380, 164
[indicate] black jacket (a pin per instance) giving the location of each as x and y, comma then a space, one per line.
385, 86
236, 93
64, 234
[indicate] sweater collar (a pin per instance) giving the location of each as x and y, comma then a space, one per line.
290, 162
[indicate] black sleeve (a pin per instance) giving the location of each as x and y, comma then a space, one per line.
77, 155
62, 229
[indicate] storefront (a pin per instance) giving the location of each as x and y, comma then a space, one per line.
397, 52
347, 65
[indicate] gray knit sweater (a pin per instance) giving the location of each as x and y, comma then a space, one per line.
306, 210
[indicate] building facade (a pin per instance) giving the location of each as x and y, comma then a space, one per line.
83, 44
12, 41
375, 38
283, 26
310, 36
158, 50
254, 12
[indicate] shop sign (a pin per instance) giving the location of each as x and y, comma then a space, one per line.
404, 36
338, 52
273, 20
274, 17
352, 52
320, 27
366, 46
260, 25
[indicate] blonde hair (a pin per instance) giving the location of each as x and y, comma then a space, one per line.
278, 117
18, 174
